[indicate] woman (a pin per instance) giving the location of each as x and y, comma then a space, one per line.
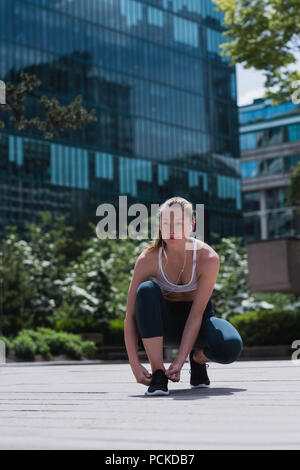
175, 308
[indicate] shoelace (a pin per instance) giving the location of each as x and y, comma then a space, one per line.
158, 378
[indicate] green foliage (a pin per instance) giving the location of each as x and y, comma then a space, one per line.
262, 328
116, 259
31, 273
24, 347
114, 334
117, 324
8, 344
231, 293
45, 286
48, 343
67, 318
96, 285
264, 35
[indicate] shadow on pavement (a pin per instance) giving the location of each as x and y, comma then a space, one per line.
195, 393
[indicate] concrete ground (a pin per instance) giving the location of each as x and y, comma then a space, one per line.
250, 405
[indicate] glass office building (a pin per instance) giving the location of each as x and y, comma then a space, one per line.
270, 148
165, 100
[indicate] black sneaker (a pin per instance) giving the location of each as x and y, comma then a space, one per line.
159, 384
199, 377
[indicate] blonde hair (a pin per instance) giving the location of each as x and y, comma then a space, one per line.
186, 206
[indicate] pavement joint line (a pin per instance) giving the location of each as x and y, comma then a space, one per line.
249, 405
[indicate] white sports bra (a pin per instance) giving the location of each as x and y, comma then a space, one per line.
166, 285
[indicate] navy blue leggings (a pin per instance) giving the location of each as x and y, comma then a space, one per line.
156, 316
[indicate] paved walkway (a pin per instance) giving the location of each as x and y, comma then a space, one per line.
250, 405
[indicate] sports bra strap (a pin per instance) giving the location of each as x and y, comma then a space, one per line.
194, 251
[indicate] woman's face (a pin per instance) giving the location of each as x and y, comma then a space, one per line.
174, 225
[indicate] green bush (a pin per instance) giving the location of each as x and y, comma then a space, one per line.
262, 328
48, 343
114, 333
8, 344
69, 318
24, 347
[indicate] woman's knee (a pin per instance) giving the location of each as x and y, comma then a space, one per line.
148, 297
231, 350
148, 310
224, 341
148, 290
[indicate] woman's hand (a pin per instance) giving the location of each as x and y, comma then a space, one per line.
141, 374
173, 372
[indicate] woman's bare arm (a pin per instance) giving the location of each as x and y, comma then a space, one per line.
143, 270
205, 288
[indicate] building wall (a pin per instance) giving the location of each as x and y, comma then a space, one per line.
270, 148
164, 97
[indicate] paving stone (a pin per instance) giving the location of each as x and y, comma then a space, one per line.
250, 405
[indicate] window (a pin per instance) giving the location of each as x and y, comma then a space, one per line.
280, 223
155, 16
251, 201
276, 198
271, 136
69, 166
229, 189
294, 132
249, 169
268, 166
252, 227
248, 141
131, 171
185, 31
132, 11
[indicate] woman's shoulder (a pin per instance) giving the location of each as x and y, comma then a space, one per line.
204, 247
148, 258
150, 251
205, 253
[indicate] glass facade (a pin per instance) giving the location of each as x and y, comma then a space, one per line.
269, 166
269, 130
164, 97
253, 227
271, 136
251, 201
264, 111
276, 198
281, 223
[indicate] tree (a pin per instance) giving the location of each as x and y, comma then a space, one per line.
232, 294
58, 119
32, 271
265, 34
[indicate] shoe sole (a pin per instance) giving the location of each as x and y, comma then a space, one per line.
157, 392
200, 386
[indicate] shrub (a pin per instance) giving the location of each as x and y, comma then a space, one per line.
114, 334
50, 343
270, 328
24, 347
8, 344
70, 318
